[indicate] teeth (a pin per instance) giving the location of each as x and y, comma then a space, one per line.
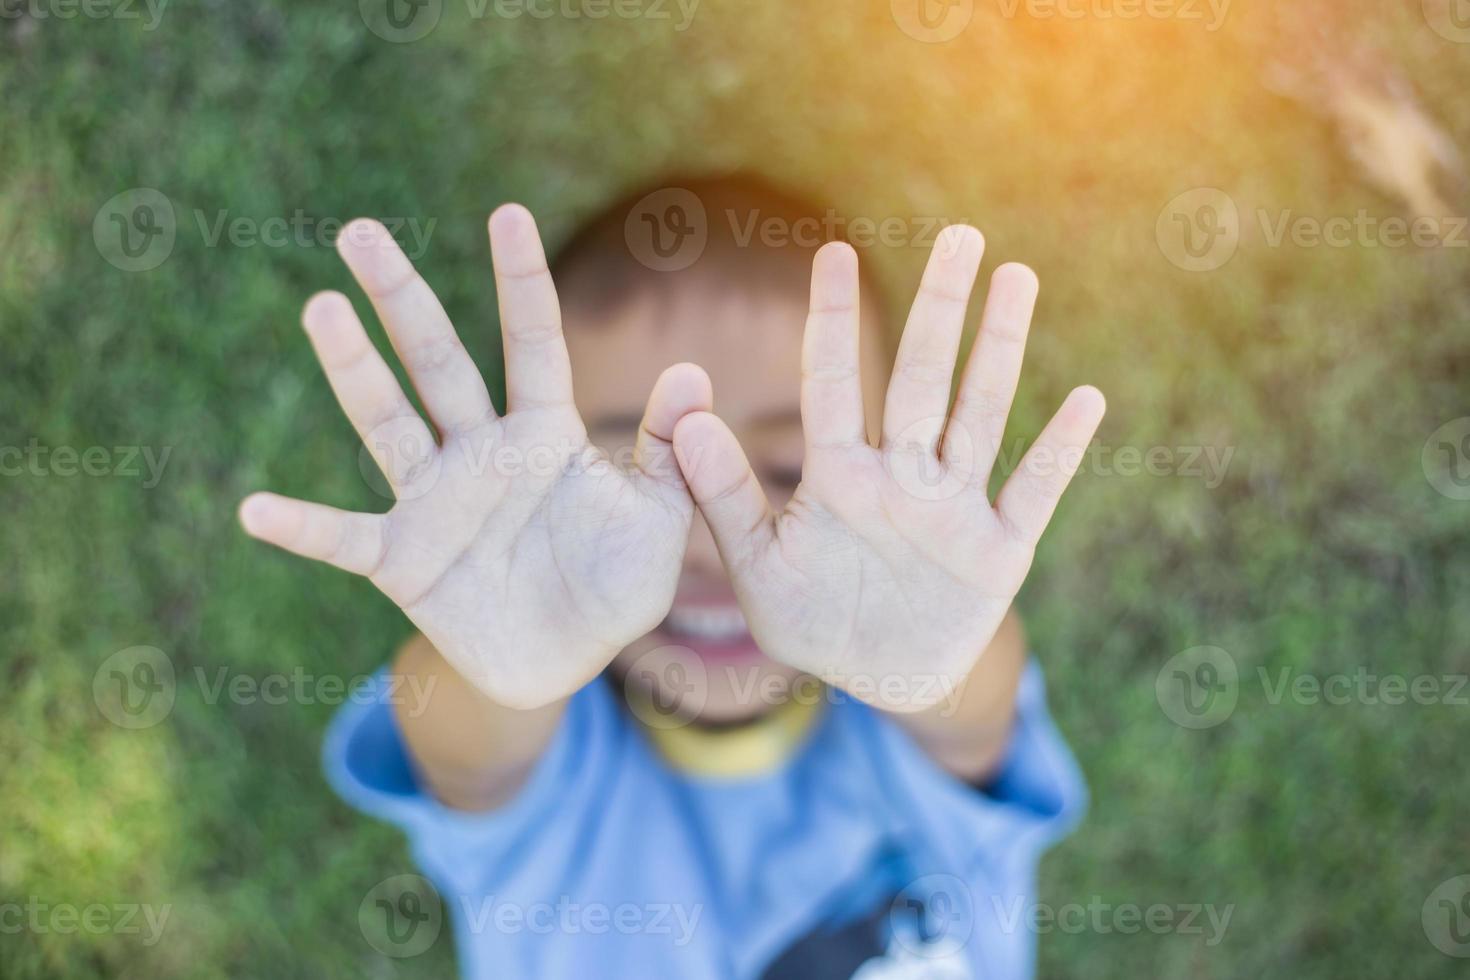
709, 623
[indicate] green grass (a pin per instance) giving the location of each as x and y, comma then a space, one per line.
1323, 549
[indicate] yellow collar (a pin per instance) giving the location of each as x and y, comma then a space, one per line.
751, 749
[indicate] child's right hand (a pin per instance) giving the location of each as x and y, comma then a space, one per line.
523, 554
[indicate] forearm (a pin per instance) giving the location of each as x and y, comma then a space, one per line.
472, 752
967, 733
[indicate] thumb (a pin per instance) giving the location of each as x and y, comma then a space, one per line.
724, 486
681, 389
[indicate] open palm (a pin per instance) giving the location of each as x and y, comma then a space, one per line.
525, 555
889, 570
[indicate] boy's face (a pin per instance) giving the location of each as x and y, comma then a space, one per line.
702, 656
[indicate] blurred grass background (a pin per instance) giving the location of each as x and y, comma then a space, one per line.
1324, 549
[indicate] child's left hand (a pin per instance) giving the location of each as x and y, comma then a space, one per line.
889, 571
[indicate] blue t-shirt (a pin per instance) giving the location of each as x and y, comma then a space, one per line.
858, 857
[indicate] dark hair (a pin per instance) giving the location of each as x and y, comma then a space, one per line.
754, 236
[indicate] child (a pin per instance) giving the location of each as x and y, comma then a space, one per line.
820, 751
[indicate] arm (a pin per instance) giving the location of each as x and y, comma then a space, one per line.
891, 568
524, 578
472, 753
967, 734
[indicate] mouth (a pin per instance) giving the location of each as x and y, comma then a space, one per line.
715, 631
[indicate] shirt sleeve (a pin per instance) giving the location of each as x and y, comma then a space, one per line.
368, 764
1036, 798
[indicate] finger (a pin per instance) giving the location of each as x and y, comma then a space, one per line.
989, 384
725, 487
1030, 495
831, 380
438, 365
366, 388
352, 542
681, 389
538, 373
918, 392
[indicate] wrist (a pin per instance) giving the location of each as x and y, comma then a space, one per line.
968, 733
